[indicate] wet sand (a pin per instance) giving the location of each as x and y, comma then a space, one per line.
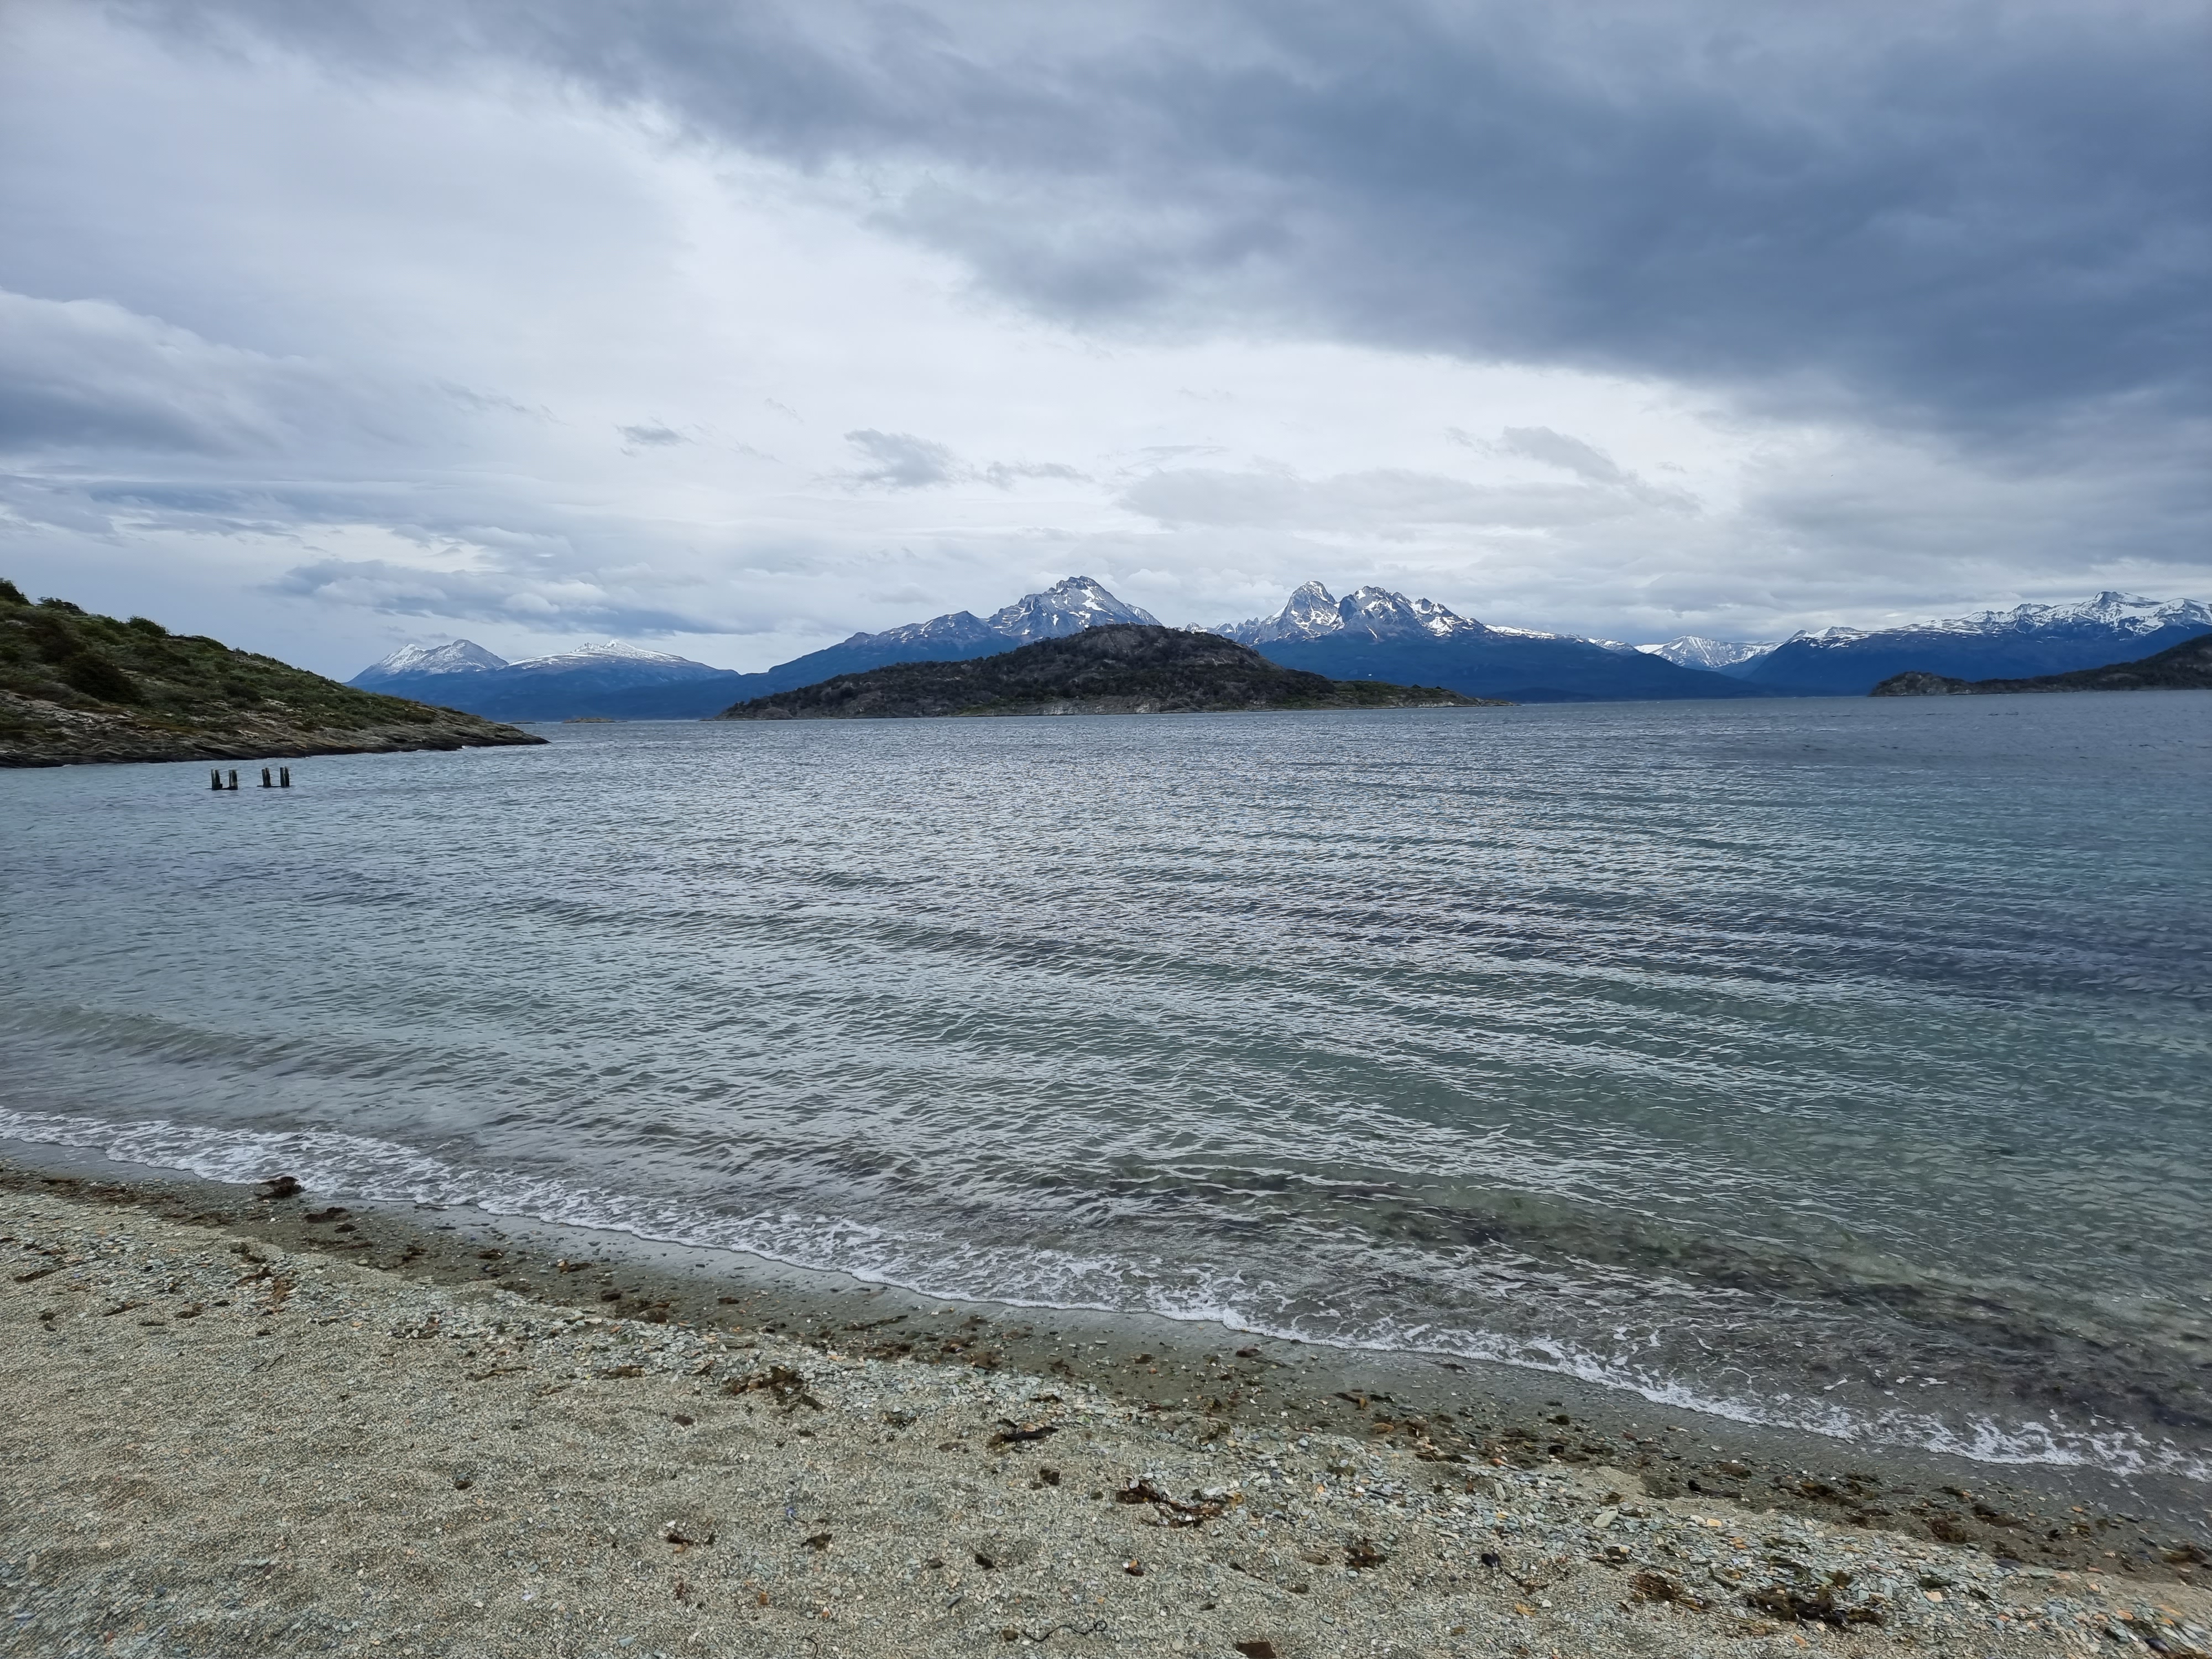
460, 1433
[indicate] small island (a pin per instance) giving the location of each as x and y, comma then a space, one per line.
2184, 667
77, 687
1126, 668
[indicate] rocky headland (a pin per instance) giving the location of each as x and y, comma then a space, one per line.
1121, 668
75, 687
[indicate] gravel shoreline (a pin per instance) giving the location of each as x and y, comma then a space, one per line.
222, 1445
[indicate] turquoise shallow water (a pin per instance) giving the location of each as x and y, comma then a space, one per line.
1841, 1064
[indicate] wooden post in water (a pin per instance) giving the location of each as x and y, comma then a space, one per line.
215, 777
284, 777
233, 777
266, 782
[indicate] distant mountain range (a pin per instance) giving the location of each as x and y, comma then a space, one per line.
1376, 635
624, 682
2025, 642
2184, 667
1369, 635
1722, 656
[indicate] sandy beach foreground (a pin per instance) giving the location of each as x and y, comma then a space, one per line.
216, 1444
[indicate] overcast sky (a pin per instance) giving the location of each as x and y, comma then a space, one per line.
735, 327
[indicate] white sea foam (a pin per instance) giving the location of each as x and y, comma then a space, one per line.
375, 1170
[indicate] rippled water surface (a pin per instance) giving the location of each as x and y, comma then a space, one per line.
1836, 1063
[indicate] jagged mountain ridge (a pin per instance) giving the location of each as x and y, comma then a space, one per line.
2023, 641
632, 682
1370, 634
1067, 607
1716, 656
626, 681
1374, 633
2026, 643
1313, 613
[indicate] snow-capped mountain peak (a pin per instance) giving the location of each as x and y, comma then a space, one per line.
2128, 613
2018, 643
2119, 617
1385, 615
1066, 607
2111, 617
613, 651
1312, 612
459, 657
1698, 651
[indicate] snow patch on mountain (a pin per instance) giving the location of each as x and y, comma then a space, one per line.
460, 657
1313, 613
1697, 651
956, 630
2125, 614
609, 655
1066, 607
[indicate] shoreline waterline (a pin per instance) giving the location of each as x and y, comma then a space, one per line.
332, 1164
1502, 1407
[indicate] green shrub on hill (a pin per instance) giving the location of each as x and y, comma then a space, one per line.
56, 652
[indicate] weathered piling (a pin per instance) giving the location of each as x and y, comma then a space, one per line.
234, 778
215, 777
267, 782
284, 777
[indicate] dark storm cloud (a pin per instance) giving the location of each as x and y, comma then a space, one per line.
1971, 214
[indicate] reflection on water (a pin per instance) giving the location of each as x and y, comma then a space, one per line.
1836, 1063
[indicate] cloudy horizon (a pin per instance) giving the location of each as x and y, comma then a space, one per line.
734, 330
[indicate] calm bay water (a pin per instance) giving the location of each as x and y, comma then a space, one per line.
1842, 1064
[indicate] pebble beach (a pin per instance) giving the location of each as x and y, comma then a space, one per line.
219, 1445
